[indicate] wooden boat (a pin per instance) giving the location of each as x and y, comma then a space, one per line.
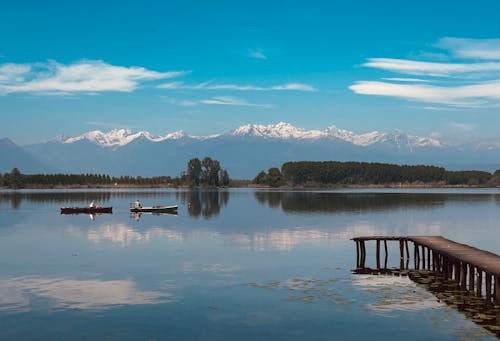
88, 210
155, 209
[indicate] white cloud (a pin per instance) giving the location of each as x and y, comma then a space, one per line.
88, 76
225, 100
471, 48
236, 87
468, 84
480, 94
412, 80
257, 54
413, 67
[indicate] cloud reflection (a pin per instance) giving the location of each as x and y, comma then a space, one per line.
17, 294
122, 234
287, 239
395, 293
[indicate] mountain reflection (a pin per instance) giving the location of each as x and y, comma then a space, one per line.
21, 293
328, 202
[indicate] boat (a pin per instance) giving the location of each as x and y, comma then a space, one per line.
88, 210
155, 209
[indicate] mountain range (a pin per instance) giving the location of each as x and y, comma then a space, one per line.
243, 151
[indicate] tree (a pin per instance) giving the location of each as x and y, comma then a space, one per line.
206, 172
274, 178
193, 173
223, 177
16, 179
260, 179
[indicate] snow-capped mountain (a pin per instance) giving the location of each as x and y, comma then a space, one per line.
281, 130
243, 151
120, 137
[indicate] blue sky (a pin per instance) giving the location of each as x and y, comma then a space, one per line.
425, 67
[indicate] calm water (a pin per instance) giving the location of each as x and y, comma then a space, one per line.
235, 265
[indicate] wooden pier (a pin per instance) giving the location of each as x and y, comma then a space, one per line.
474, 269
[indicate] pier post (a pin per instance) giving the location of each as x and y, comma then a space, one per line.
415, 256
488, 288
423, 257
401, 253
358, 261
428, 258
497, 290
386, 254
463, 275
363, 253
479, 283
378, 253
471, 277
407, 252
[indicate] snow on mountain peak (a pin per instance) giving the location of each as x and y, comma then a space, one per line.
121, 137
280, 130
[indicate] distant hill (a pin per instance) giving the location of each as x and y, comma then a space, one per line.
243, 152
12, 155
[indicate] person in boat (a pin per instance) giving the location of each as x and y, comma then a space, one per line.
137, 204
92, 204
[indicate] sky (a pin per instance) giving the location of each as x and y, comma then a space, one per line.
429, 68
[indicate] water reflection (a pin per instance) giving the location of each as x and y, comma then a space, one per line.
205, 203
137, 215
22, 293
327, 202
122, 234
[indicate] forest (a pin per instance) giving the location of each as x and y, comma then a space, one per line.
199, 173
365, 173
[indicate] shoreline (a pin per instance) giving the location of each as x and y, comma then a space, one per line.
366, 186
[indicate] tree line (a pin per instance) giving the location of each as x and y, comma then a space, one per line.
365, 173
199, 173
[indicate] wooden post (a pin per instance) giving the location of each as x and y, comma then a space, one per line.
471, 277
446, 266
407, 251
358, 261
386, 254
479, 283
488, 288
429, 258
458, 268
415, 255
423, 257
378, 254
463, 275
401, 254
497, 290
363, 253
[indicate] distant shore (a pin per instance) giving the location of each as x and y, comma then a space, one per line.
311, 186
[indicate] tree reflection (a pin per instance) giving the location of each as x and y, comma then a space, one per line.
305, 202
205, 203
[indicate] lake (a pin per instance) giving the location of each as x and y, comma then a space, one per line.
238, 264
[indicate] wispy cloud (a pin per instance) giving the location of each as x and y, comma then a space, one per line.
468, 84
87, 76
233, 101
412, 80
471, 48
257, 54
236, 87
467, 96
413, 67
